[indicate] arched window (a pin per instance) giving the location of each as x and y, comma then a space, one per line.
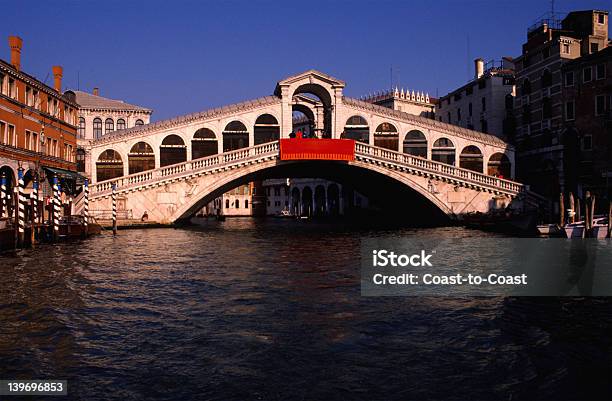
246, 203
237, 204
266, 129
499, 166
120, 124
141, 158
139, 122
109, 125
81, 127
172, 151
97, 127
386, 136
235, 136
204, 143
109, 165
415, 143
443, 151
356, 128
471, 158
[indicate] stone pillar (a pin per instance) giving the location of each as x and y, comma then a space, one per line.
286, 122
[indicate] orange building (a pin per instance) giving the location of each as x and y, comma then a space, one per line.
37, 126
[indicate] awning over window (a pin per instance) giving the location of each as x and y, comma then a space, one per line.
64, 174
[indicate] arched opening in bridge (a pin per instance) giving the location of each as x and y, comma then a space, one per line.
386, 136
204, 143
141, 158
295, 202
319, 201
109, 165
333, 199
499, 166
316, 98
306, 201
266, 129
172, 151
471, 158
415, 143
356, 128
443, 151
303, 120
235, 136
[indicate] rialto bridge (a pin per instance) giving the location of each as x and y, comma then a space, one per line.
172, 168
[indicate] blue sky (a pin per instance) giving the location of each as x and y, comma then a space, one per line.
179, 56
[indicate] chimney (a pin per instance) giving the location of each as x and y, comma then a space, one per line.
58, 73
15, 43
96, 91
478, 68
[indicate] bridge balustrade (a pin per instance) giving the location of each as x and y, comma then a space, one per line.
273, 149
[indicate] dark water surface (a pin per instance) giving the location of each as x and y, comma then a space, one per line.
271, 310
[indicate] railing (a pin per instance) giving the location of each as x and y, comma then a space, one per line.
272, 149
222, 160
439, 168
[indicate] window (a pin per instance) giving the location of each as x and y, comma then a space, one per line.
484, 104
120, 124
139, 122
36, 99
109, 125
34, 142
586, 74
3, 139
600, 105
449, 117
81, 131
526, 87
458, 96
565, 48
482, 84
569, 78
28, 96
469, 90
11, 136
484, 126
246, 203
601, 18
227, 203
470, 109
587, 142
97, 127
546, 107
546, 79
509, 101
2, 83
569, 111
276, 191
80, 160
458, 114
600, 72
594, 47
237, 204
26, 144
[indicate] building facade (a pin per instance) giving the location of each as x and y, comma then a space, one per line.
546, 144
37, 126
98, 116
587, 97
485, 103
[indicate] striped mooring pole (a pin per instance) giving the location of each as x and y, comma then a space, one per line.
21, 210
34, 210
86, 204
3, 206
114, 196
55, 204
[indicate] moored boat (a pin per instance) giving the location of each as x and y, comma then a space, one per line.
576, 230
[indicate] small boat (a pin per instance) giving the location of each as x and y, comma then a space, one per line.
576, 230
74, 227
551, 230
7, 234
283, 214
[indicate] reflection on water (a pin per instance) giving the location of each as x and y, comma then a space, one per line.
271, 309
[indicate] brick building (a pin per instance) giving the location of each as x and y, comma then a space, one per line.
546, 144
37, 125
587, 97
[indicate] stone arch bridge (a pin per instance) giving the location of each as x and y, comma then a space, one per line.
172, 168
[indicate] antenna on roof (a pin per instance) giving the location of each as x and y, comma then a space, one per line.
78, 81
552, 8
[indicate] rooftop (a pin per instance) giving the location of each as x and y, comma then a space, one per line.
89, 101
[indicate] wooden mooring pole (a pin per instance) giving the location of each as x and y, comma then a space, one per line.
572, 209
114, 197
561, 210
610, 219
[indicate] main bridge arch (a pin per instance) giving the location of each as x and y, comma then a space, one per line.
366, 178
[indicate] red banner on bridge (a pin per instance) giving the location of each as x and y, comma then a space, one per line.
317, 149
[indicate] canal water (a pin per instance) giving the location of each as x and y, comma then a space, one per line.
271, 310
